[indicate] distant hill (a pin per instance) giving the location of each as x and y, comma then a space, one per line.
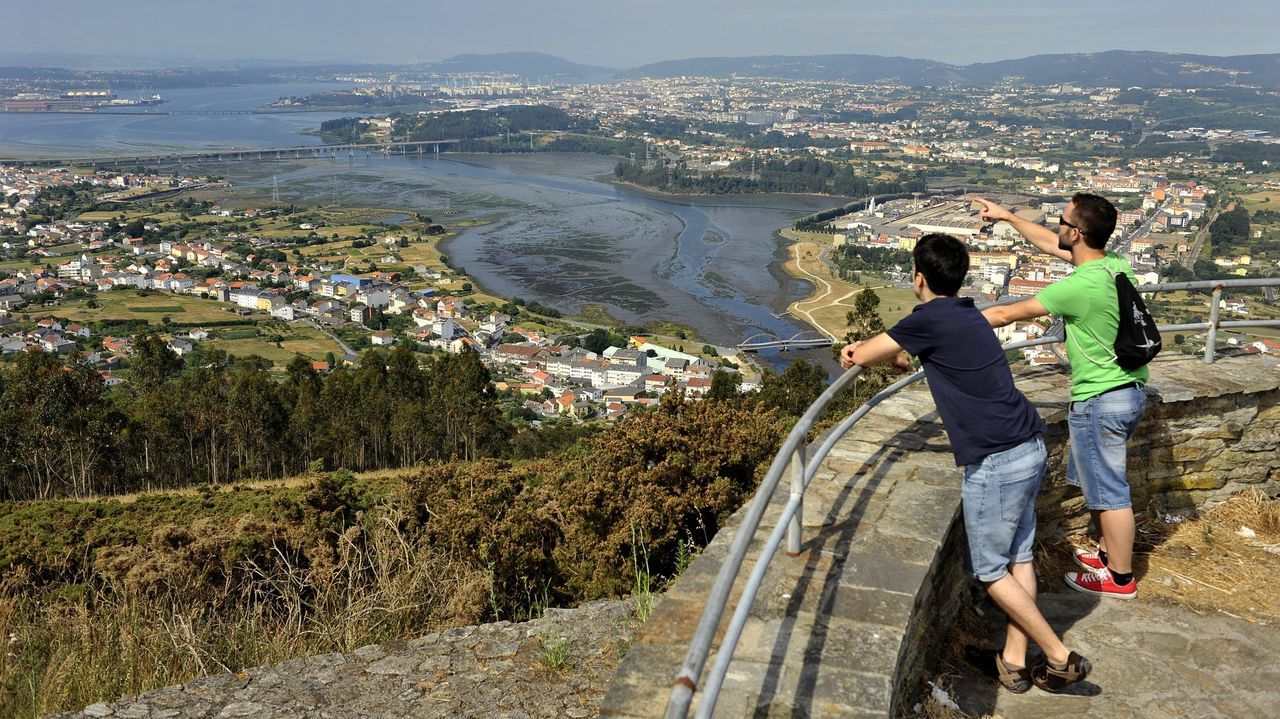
850, 68
1122, 68
530, 65
1126, 67
1117, 67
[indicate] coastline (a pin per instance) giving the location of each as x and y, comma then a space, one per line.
685, 198
791, 266
825, 307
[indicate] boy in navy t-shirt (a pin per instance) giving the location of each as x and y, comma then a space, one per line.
996, 436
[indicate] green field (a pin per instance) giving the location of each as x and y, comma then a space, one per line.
424, 252
62, 253
160, 308
297, 339
1262, 200
129, 305
236, 340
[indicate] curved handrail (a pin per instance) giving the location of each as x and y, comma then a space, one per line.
700, 645
792, 453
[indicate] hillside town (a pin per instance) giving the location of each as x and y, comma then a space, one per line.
923, 154
562, 380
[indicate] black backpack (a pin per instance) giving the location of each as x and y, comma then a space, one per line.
1137, 337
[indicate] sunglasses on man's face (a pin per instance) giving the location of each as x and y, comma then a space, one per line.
1062, 221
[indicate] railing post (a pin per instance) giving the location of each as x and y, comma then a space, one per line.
1211, 341
795, 530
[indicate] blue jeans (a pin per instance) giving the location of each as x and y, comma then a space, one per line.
1100, 430
999, 500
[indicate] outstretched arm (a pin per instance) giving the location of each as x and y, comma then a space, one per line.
1001, 315
878, 349
1043, 238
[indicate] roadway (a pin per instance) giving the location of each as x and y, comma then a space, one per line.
260, 153
1197, 245
350, 354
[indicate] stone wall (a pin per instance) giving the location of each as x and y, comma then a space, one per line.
1210, 431
852, 626
491, 670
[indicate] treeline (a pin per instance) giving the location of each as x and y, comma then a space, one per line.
672, 128
1255, 155
226, 419
342, 130
852, 259
1229, 232
474, 124
799, 175
560, 143
229, 419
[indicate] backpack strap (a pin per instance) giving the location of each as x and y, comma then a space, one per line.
1070, 335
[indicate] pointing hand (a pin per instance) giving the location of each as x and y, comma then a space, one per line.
991, 211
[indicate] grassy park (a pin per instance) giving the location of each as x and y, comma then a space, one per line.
132, 305
833, 297
274, 340
294, 339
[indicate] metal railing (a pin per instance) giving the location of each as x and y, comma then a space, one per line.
803, 465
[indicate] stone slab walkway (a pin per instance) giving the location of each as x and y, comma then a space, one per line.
832, 627
492, 670
1150, 661
852, 626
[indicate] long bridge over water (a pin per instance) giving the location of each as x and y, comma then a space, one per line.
416, 147
134, 111
766, 341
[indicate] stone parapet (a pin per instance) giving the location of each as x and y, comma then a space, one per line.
851, 626
1210, 431
491, 670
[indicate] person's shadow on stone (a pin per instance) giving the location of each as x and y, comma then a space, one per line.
980, 632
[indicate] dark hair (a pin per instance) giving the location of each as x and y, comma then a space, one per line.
943, 260
1096, 218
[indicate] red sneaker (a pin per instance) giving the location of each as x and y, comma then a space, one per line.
1088, 561
1101, 584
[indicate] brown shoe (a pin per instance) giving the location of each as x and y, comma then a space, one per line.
1017, 680
1053, 680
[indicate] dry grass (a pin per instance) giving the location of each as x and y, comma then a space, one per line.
1204, 564
98, 643
1263, 200
300, 480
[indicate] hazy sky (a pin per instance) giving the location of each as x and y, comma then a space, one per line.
626, 33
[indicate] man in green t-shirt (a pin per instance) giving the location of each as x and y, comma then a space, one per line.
1106, 401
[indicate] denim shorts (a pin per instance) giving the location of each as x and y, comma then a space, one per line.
999, 500
1100, 430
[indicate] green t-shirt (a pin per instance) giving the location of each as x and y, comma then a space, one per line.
1087, 301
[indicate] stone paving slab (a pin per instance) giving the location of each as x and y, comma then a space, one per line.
1154, 661
493, 670
882, 551
825, 634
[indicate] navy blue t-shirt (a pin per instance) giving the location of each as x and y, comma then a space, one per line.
969, 376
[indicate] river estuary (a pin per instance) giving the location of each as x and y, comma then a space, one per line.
554, 231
